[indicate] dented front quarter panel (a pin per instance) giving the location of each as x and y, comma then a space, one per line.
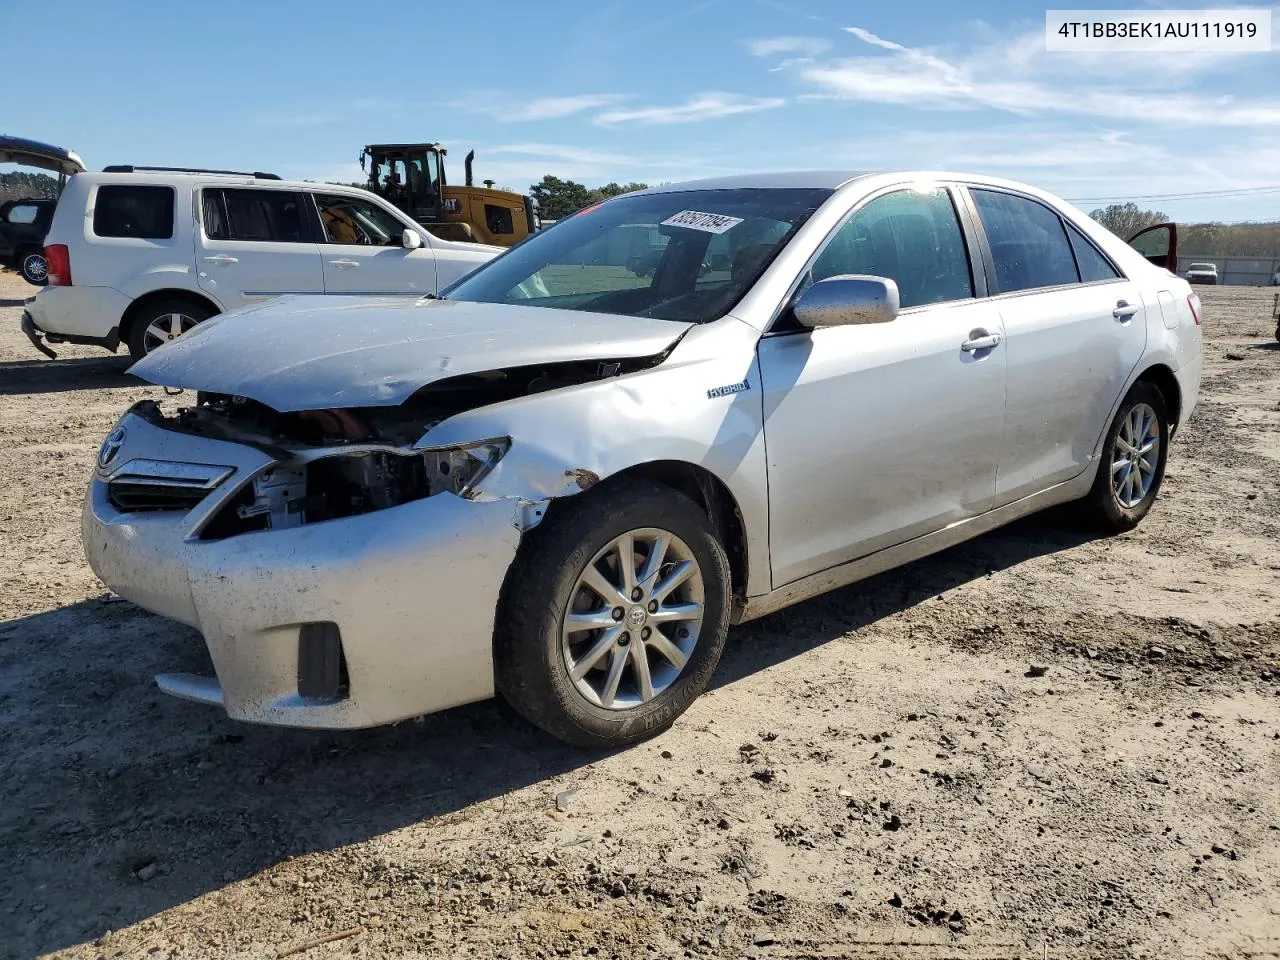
701, 406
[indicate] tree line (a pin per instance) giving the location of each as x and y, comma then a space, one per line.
559, 198
18, 185
1196, 239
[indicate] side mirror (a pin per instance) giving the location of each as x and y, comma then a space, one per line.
847, 300
410, 239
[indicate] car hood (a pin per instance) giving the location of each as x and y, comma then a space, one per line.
320, 352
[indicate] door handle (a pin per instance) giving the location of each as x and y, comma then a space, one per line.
984, 342
222, 260
344, 264
1124, 310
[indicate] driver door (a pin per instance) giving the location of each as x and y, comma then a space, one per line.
880, 433
362, 253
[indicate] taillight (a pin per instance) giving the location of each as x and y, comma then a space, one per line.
58, 258
1194, 303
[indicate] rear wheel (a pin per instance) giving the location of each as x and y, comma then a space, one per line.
162, 322
614, 616
34, 267
1133, 460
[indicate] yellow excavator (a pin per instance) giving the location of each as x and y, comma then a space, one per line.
411, 177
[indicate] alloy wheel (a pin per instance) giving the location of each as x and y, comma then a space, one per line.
166, 327
633, 619
1135, 456
35, 268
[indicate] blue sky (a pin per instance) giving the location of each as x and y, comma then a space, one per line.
653, 90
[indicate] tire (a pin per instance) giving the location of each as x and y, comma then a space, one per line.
1118, 506
533, 657
156, 319
33, 267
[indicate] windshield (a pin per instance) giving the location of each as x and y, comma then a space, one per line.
687, 256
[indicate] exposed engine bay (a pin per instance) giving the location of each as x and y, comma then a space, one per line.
335, 463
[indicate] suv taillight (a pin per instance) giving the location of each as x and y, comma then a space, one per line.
58, 257
1194, 303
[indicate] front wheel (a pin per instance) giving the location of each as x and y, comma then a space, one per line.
34, 267
614, 616
1133, 460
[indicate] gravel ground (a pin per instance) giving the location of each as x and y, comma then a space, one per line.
877, 772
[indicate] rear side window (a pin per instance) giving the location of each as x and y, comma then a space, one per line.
23, 213
1028, 242
913, 237
1093, 265
271, 215
144, 213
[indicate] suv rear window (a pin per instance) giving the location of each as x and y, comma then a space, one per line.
128, 211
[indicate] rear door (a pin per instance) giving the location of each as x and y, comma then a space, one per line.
254, 244
362, 250
1075, 329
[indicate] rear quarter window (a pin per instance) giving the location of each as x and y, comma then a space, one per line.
144, 213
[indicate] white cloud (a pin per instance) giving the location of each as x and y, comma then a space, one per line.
553, 108
700, 107
1016, 83
557, 151
796, 46
503, 107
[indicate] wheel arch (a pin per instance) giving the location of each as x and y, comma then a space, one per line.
710, 493
135, 309
1163, 379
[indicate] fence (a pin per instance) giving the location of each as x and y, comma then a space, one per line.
1258, 271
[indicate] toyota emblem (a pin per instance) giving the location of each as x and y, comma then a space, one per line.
110, 447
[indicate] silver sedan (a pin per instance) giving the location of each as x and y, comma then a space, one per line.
672, 412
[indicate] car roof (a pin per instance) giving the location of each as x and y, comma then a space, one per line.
149, 177
835, 179
810, 179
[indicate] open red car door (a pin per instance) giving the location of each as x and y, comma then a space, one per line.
1159, 244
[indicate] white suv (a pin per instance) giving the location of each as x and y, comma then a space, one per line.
139, 255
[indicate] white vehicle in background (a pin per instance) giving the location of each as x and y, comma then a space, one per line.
1202, 273
139, 255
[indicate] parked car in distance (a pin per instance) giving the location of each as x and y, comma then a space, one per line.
140, 255
1202, 273
23, 225
566, 479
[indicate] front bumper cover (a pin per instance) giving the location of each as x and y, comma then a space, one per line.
413, 589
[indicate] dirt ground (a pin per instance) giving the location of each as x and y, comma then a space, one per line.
874, 774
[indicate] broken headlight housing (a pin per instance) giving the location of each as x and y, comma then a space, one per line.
459, 469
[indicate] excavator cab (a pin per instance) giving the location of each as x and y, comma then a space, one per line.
411, 177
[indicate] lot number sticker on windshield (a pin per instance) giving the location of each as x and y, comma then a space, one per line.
706, 222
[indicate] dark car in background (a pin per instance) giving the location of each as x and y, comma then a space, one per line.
23, 225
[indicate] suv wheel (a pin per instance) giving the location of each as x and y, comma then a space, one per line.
34, 267
162, 322
614, 616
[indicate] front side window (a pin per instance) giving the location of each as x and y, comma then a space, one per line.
911, 237
129, 211
686, 256
1093, 265
1028, 242
270, 215
356, 221
23, 213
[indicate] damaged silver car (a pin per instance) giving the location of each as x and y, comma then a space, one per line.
674, 411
